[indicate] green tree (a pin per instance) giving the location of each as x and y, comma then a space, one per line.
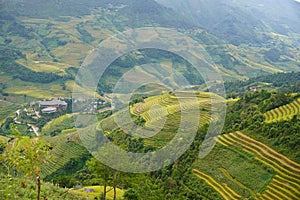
131, 194
100, 171
26, 156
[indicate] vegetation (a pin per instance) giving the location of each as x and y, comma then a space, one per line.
284, 167
42, 46
247, 114
25, 156
225, 191
59, 124
98, 190
24, 188
240, 166
283, 82
64, 148
7, 109
25, 74
146, 115
285, 112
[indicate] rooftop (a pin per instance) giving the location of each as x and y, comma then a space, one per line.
53, 103
49, 110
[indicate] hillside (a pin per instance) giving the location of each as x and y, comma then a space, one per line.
285, 112
21, 188
252, 159
42, 45
158, 114
252, 20
253, 171
154, 126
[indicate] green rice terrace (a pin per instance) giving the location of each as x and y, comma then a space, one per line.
253, 170
285, 112
64, 148
156, 108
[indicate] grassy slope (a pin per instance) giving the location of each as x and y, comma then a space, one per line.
7, 109
97, 192
59, 123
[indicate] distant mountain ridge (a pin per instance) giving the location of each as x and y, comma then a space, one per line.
55, 9
51, 38
241, 21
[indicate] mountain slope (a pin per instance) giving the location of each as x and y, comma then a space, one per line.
43, 43
241, 21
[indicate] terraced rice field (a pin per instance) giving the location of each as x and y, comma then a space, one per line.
62, 152
225, 191
166, 107
285, 112
286, 182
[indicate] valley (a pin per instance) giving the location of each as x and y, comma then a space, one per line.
51, 147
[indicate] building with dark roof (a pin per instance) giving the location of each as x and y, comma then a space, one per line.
55, 103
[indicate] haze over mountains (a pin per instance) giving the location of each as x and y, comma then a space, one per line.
244, 38
241, 21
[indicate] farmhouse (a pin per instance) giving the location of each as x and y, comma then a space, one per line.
54, 104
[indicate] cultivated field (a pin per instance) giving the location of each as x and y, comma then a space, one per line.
285, 112
285, 183
97, 192
154, 110
225, 191
65, 147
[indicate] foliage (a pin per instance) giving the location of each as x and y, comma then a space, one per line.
98, 190
25, 74
284, 82
102, 171
24, 188
285, 112
26, 155
177, 179
282, 135
247, 114
84, 20
85, 35
131, 194
283, 167
5, 127
65, 148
